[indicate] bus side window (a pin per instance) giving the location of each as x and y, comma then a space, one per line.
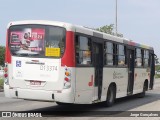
146, 58
83, 50
138, 60
121, 55
109, 53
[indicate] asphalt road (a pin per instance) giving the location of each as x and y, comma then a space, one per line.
151, 102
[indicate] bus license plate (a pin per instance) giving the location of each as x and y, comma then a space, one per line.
35, 82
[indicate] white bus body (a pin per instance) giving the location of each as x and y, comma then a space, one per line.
62, 79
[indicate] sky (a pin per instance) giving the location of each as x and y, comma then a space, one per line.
138, 20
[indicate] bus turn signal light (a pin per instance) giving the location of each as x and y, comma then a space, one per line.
67, 73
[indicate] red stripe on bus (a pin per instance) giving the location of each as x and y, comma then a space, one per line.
91, 82
68, 58
7, 52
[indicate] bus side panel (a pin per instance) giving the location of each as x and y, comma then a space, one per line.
84, 85
8, 90
67, 95
141, 75
119, 76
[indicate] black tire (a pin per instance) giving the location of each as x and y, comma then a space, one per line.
60, 103
141, 95
145, 88
111, 95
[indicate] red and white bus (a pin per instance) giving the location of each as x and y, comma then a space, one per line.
65, 63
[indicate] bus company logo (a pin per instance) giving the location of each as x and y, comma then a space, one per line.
117, 75
18, 63
6, 114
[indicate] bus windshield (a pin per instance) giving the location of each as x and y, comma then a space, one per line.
36, 40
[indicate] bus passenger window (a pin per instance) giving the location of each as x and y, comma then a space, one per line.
109, 53
146, 58
83, 50
138, 59
121, 55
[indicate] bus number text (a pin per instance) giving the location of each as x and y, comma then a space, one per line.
48, 68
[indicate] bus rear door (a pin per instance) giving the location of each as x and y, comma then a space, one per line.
98, 64
131, 59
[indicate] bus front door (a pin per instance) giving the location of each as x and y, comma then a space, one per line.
131, 60
98, 64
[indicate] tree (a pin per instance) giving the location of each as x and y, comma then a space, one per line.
109, 30
2, 55
106, 29
156, 60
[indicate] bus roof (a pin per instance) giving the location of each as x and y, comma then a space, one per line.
83, 30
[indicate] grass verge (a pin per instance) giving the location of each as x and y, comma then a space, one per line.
157, 76
1, 83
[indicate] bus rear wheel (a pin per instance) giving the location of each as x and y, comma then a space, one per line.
142, 94
60, 103
111, 94
145, 88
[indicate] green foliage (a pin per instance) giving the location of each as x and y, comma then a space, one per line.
157, 67
1, 83
2, 55
106, 29
157, 76
109, 30
156, 60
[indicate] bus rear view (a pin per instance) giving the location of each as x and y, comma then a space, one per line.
65, 63
34, 67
